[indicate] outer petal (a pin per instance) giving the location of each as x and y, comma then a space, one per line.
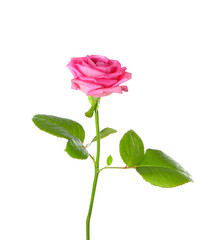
125, 77
72, 66
73, 71
101, 92
103, 82
74, 85
84, 86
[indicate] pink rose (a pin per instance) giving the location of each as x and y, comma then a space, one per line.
98, 76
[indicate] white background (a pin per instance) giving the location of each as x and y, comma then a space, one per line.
44, 194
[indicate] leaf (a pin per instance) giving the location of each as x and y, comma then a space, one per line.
64, 128
109, 160
160, 170
94, 105
60, 127
131, 148
75, 149
104, 133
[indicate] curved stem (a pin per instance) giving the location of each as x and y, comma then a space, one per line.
95, 176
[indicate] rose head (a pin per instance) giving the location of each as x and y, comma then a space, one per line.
98, 76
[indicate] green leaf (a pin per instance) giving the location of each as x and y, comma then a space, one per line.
75, 149
131, 148
104, 133
160, 170
94, 101
109, 160
60, 127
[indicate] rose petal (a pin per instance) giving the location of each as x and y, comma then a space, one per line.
105, 82
83, 85
73, 71
126, 76
89, 71
88, 61
124, 88
110, 68
101, 92
74, 85
97, 59
115, 75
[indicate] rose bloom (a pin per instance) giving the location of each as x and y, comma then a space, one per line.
98, 76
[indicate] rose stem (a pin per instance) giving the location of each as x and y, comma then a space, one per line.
95, 176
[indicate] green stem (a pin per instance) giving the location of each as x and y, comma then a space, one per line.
95, 176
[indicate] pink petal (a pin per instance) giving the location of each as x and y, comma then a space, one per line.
83, 85
103, 82
112, 67
88, 61
124, 88
101, 92
74, 85
89, 71
98, 58
126, 76
73, 71
115, 75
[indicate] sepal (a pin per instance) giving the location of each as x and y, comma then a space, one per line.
94, 101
